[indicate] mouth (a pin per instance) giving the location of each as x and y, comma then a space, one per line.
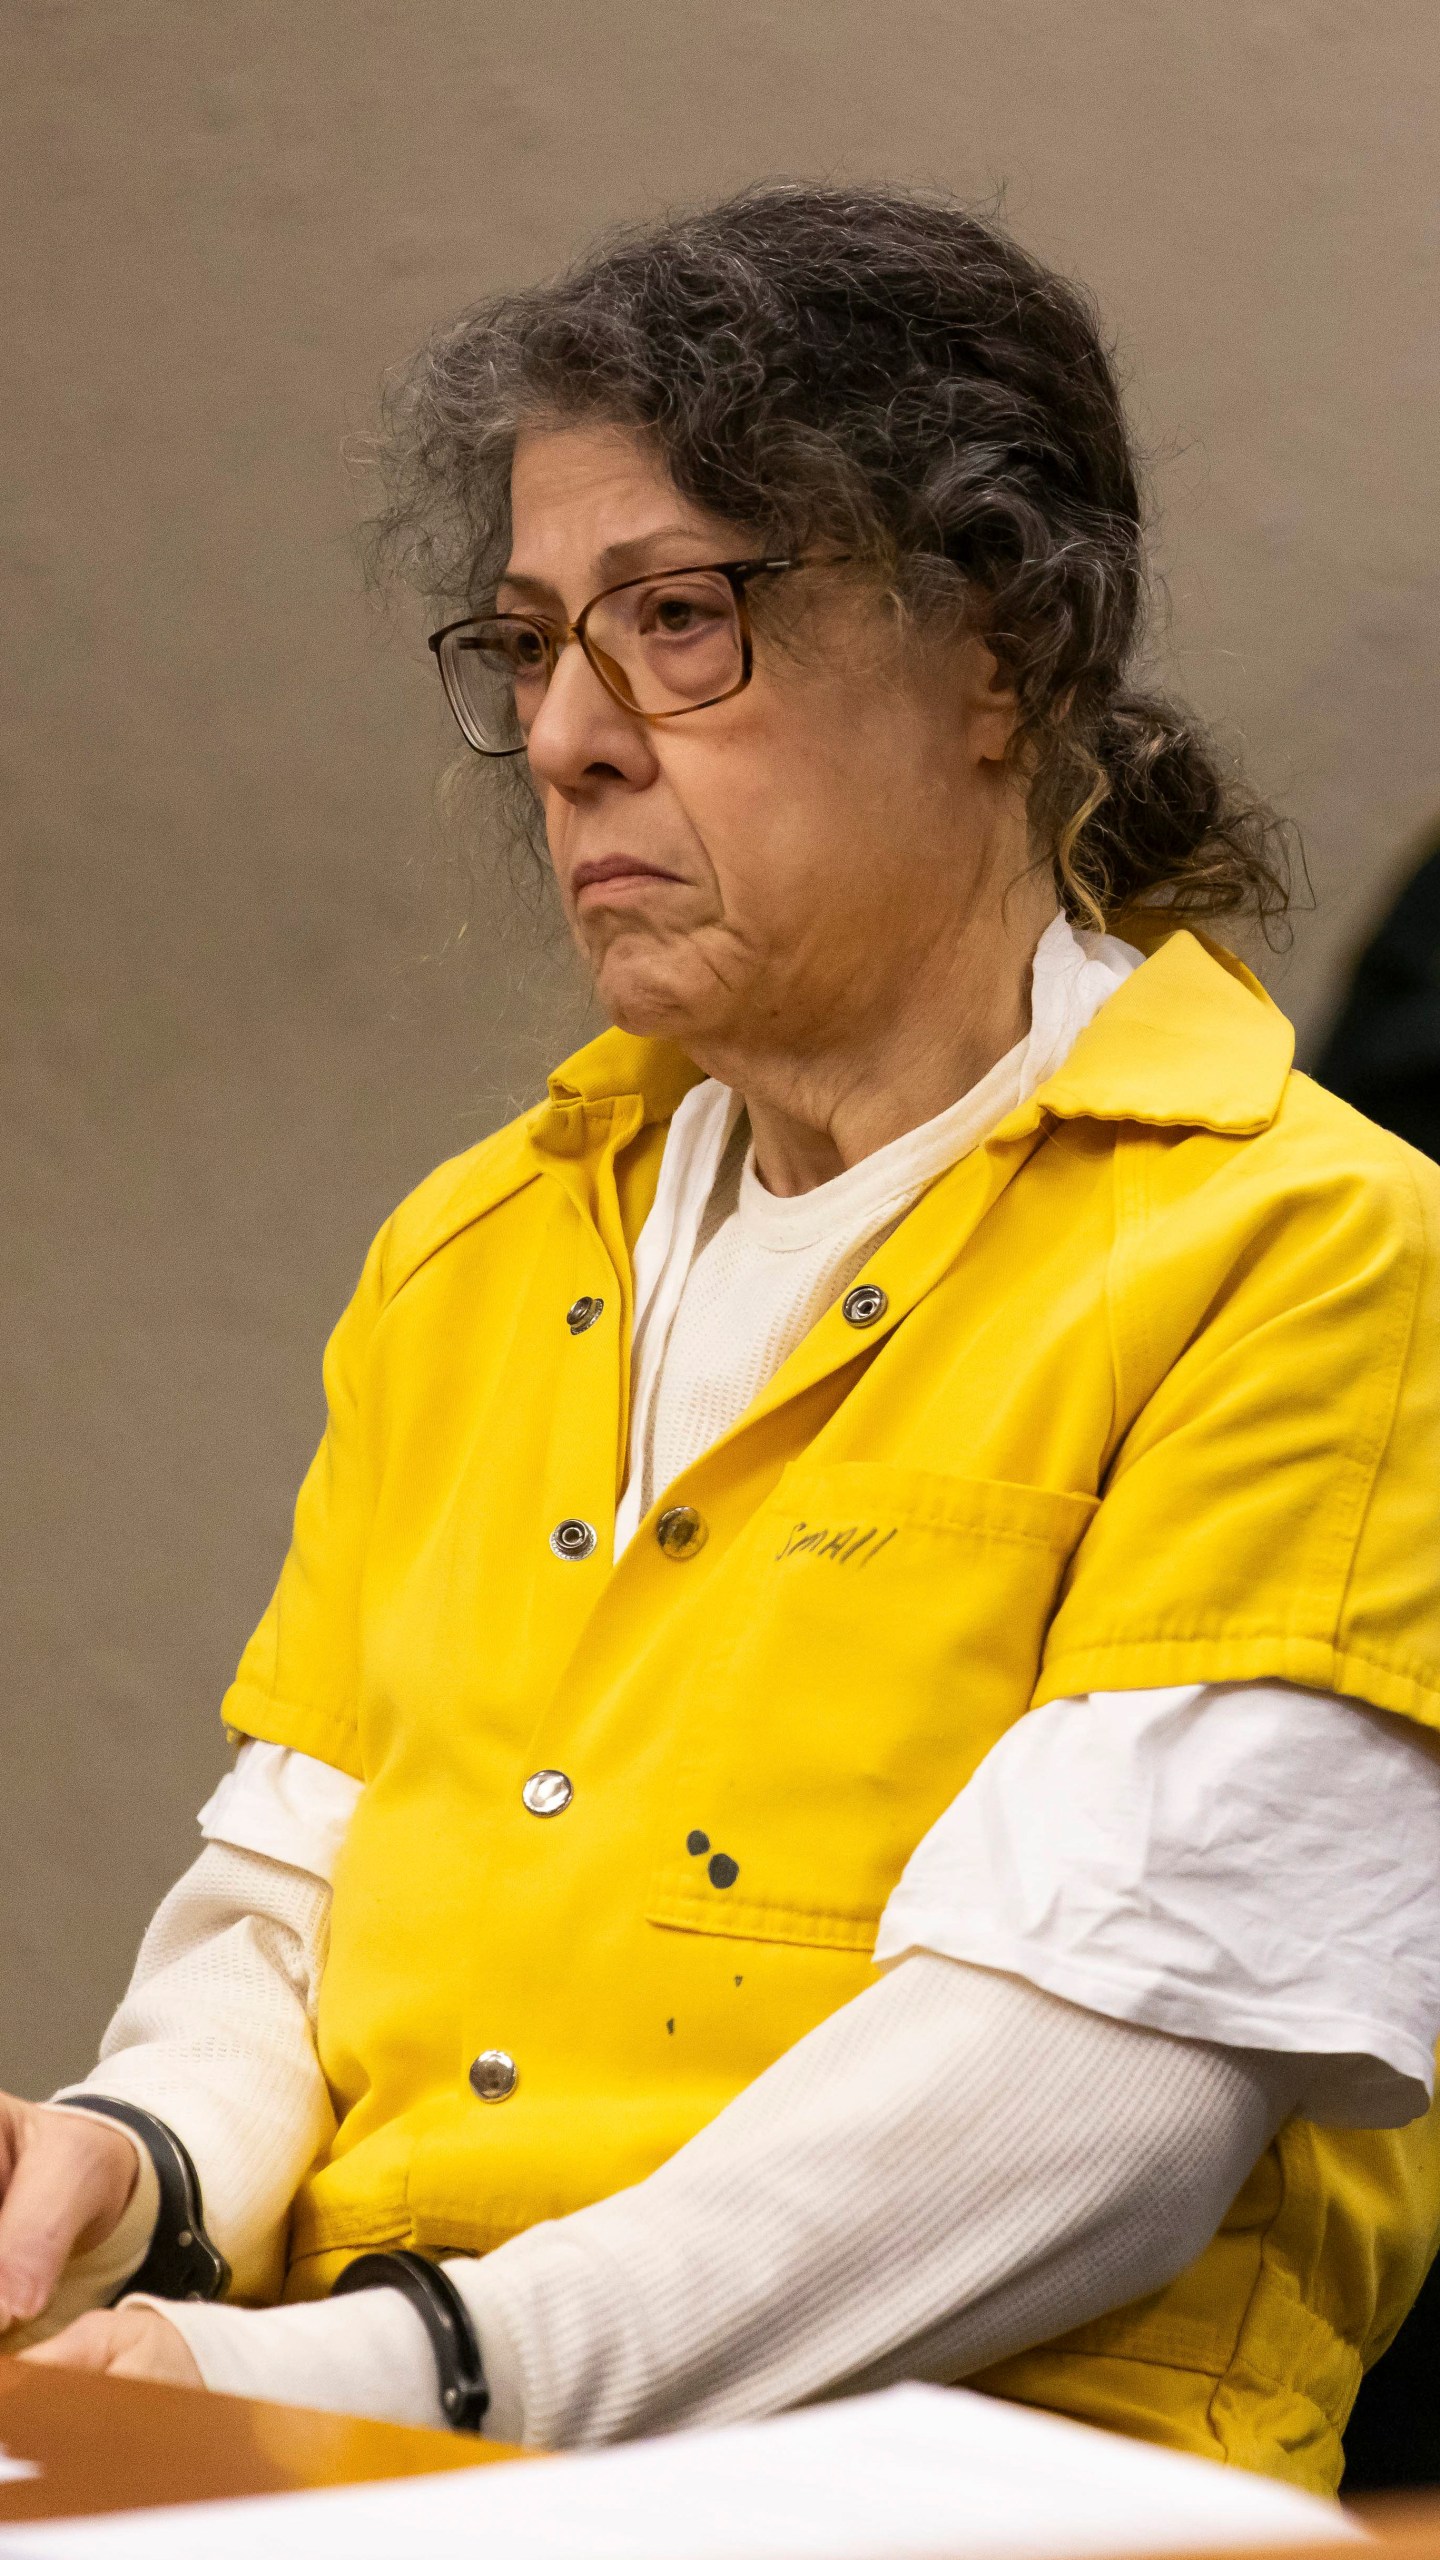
613, 875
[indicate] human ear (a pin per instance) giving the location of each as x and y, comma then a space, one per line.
991, 705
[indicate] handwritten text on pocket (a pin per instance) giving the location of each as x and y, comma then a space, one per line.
850, 1545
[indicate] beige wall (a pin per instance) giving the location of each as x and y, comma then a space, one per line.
239, 1016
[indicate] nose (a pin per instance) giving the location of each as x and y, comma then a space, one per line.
581, 733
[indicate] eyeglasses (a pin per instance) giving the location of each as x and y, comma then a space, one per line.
662, 645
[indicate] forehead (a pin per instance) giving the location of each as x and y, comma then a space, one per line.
581, 494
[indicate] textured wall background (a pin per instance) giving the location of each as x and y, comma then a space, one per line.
239, 1015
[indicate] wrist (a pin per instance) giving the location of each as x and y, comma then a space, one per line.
182, 2261
124, 2144
123, 2252
94, 2278
366, 2356
441, 2310
483, 2288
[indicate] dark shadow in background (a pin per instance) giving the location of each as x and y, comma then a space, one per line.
1384, 1056
1384, 1052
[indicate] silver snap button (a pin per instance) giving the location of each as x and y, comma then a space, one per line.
865, 1305
547, 1791
493, 2076
681, 1533
584, 1313
573, 1540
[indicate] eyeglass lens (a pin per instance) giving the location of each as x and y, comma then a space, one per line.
667, 645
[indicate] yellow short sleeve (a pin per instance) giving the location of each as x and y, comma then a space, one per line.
298, 1676
1273, 1509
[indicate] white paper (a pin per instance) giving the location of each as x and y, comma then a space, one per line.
908, 2474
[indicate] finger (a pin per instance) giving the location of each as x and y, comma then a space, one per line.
157, 2353
85, 2347
140, 2344
60, 2186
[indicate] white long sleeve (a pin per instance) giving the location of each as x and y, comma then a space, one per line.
951, 2168
215, 2036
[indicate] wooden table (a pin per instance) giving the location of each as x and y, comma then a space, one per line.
103, 2444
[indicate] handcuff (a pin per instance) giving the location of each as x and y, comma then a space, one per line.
182, 2263
464, 2393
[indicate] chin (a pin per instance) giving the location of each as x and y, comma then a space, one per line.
646, 1018
646, 1000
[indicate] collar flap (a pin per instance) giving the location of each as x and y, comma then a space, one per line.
614, 1068
1190, 1040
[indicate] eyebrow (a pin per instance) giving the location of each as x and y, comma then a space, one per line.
618, 561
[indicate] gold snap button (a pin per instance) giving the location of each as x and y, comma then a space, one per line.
865, 1305
584, 1313
493, 2076
680, 1533
547, 1791
573, 1541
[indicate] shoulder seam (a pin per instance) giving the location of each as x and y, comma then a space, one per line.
478, 1188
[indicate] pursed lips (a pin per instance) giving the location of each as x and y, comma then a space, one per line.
616, 871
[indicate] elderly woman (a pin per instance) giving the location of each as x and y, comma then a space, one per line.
839, 1783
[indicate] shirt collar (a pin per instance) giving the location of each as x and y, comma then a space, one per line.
651, 1077
1191, 1040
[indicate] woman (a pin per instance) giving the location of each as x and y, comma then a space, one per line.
862, 1646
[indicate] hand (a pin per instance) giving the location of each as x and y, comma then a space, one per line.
65, 2180
134, 2341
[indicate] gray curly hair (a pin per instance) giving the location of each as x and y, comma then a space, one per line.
894, 375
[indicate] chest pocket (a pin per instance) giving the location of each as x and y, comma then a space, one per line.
884, 1629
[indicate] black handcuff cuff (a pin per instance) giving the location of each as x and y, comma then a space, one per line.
464, 2393
182, 2264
